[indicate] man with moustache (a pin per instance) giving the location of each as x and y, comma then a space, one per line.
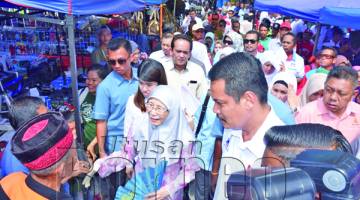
239, 89
182, 72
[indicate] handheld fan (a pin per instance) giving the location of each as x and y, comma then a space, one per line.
143, 183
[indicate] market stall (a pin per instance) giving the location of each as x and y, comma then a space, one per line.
72, 9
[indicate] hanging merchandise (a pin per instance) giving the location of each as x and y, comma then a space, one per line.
136, 23
153, 27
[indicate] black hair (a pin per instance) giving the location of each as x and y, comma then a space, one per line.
117, 43
345, 73
303, 136
331, 49
263, 25
23, 109
241, 72
289, 34
150, 70
223, 22
253, 32
102, 71
181, 37
266, 22
69, 115
281, 82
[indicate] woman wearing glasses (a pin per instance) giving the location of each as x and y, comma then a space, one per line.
151, 75
169, 138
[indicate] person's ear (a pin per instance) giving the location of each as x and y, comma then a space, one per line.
249, 99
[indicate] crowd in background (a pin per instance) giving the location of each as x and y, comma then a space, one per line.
229, 82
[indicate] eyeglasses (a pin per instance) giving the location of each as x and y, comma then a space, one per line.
228, 42
250, 40
120, 61
158, 109
326, 56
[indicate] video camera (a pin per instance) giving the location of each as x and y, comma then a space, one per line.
333, 174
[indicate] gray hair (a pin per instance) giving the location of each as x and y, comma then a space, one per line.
345, 73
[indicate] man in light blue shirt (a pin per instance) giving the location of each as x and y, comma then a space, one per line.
112, 95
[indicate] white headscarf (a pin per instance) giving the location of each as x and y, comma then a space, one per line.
287, 77
237, 41
173, 130
269, 56
223, 52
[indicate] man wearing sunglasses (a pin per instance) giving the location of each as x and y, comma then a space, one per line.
111, 98
326, 59
251, 43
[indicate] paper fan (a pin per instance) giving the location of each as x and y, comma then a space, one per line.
143, 183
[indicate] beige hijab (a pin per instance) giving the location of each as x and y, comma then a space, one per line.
314, 84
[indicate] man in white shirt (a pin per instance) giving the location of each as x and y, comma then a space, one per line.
239, 89
181, 71
275, 43
164, 55
189, 18
288, 59
199, 50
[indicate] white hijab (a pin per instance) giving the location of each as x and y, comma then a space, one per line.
287, 77
174, 133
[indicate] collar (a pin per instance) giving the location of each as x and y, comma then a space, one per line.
45, 191
350, 109
182, 71
254, 144
120, 79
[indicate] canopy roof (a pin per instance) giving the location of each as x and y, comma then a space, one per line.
86, 7
345, 13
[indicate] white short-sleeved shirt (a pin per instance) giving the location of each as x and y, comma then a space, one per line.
242, 154
192, 77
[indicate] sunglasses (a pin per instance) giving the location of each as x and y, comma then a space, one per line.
120, 61
326, 56
228, 42
246, 41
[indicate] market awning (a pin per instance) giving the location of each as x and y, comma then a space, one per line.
88, 7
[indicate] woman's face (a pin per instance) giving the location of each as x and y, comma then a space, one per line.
157, 111
135, 56
92, 81
217, 47
146, 87
280, 91
268, 68
316, 95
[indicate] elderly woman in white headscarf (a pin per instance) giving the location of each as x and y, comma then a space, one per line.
169, 138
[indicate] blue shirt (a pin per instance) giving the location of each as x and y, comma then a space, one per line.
205, 139
111, 98
9, 163
212, 128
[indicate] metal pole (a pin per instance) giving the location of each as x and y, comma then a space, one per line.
318, 29
74, 83
174, 11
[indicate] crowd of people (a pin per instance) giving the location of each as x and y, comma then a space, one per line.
221, 88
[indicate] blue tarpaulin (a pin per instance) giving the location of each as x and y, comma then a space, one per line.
343, 13
344, 17
87, 7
